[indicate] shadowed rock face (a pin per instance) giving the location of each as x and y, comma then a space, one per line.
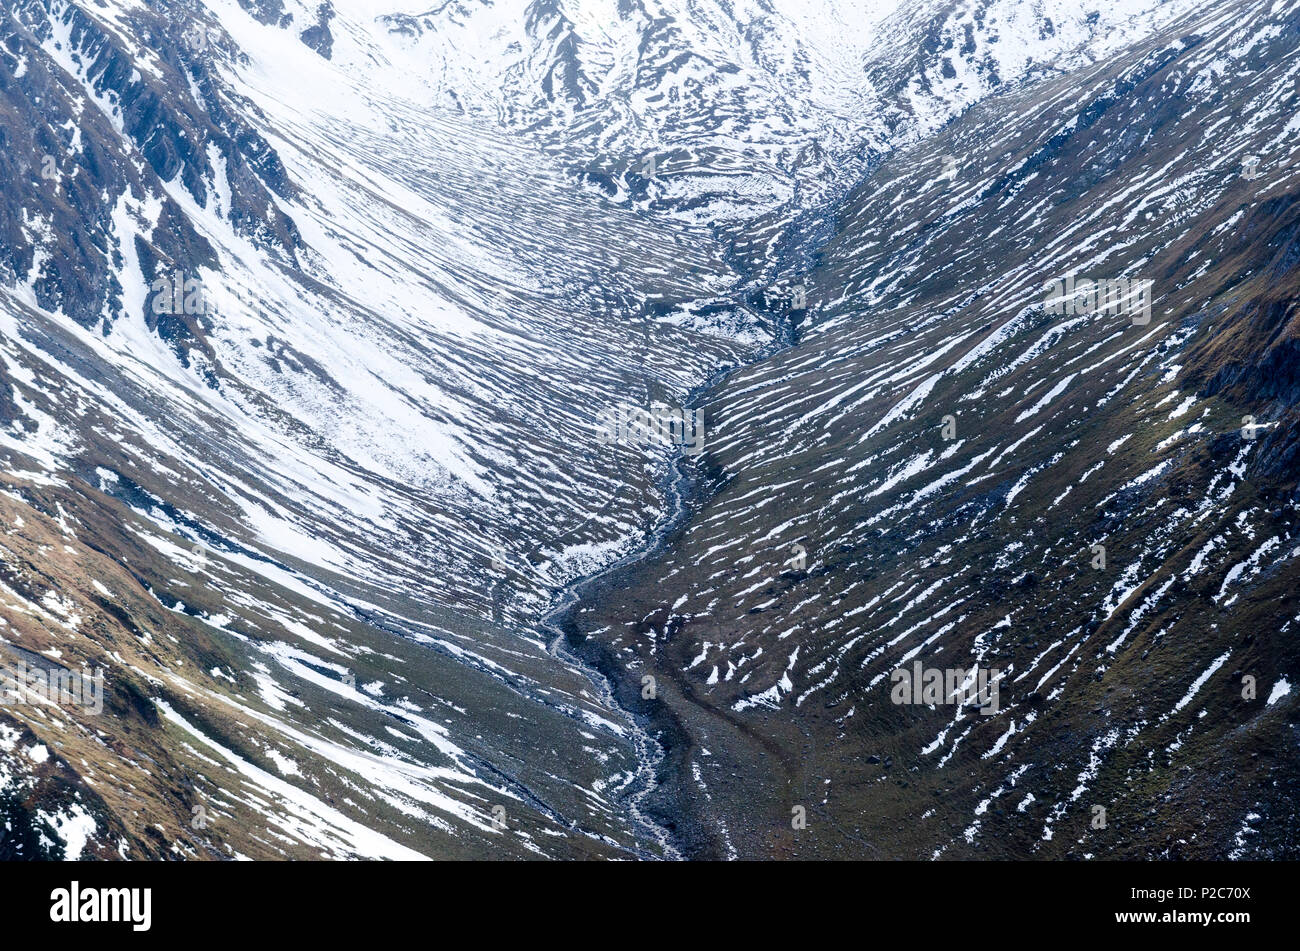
310, 316
67, 165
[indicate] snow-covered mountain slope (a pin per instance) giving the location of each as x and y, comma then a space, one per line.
383, 400
945, 471
707, 107
742, 116
309, 313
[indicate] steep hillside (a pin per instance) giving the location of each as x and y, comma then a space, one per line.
927, 474
352, 358
312, 315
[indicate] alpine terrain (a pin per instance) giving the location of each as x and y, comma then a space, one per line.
649, 429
